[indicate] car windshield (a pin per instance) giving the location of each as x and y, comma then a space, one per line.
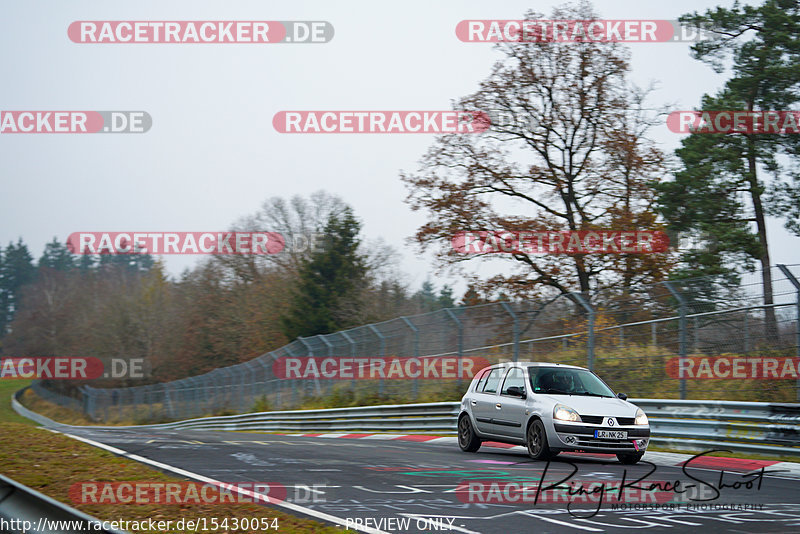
561, 381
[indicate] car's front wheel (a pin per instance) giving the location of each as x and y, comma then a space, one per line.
536, 439
629, 458
467, 440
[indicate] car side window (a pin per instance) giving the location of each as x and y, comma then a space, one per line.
515, 377
493, 380
482, 380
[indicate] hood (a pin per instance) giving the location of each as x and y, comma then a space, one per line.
585, 405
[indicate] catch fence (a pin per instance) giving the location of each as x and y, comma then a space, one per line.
690, 339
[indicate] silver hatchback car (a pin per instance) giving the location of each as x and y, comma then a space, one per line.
550, 408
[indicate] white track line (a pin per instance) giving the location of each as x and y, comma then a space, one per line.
188, 474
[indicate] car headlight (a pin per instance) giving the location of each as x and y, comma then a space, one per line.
641, 418
565, 413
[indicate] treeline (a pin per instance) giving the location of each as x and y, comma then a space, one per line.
226, 310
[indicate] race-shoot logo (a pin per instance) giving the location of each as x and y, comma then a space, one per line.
175, 243
37, 122
581, 242
441, 367
384, 122
200, 31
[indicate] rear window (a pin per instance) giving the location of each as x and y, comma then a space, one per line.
493, 380
482, 380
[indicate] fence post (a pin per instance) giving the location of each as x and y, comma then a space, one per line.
288, 349
746, 328
682, 348
653, 335
349, 339
310, 354
382, 339
514, 317
460, 340
785, 270
262, 391
580, 299
414, 329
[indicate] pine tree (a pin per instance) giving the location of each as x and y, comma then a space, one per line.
16, 270
329, 282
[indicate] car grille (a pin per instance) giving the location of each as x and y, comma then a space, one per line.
598, 420
586, 441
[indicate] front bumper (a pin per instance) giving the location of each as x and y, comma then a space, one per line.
580, 436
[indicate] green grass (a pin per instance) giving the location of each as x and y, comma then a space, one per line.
7, 389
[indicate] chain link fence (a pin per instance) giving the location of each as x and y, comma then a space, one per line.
690, 339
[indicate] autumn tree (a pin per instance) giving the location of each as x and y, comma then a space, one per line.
569, 153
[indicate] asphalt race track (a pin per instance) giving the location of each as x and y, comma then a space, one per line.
401, 485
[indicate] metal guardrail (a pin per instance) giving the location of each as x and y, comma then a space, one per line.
23, 510
753, 427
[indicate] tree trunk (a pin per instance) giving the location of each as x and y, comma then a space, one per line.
771, 328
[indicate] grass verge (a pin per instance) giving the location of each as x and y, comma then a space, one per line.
7, 389
51, 463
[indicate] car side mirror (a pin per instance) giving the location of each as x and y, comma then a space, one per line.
622, 396
517, 391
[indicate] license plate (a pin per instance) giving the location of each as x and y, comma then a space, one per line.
613, 434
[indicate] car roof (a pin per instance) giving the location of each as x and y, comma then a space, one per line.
536, 364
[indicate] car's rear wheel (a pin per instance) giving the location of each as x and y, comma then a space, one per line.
536, 440
629, 458
467, 440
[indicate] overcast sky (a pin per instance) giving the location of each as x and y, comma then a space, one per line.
212, 155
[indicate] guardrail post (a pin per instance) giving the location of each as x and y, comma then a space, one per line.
460, 340
785, 270
514, 317
653, 335
682, 348
382, 339
580, 299
414, 329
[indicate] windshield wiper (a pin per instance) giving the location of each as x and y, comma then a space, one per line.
588, 394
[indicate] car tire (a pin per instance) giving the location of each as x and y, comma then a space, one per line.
629, 458
468, 441
536, 441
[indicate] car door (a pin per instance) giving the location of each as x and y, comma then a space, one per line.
510, 416
484, 401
